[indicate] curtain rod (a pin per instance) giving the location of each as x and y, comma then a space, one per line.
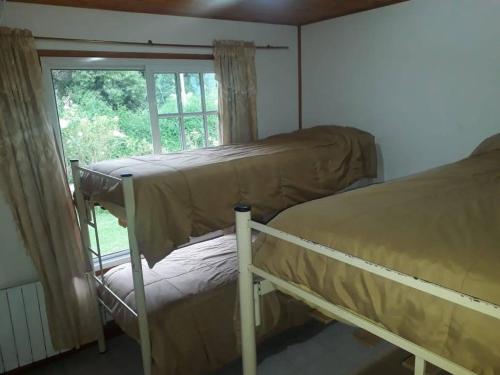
148, 43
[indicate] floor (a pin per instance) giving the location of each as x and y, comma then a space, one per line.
335, 349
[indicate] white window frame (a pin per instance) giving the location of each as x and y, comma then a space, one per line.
150, 67
180, 109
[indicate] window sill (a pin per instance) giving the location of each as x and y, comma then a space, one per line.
121, 257
112, 260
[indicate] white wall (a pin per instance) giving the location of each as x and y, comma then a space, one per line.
276, 74
16, 267
422, 76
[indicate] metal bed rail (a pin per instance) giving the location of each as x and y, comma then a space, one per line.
249, 314
87, 218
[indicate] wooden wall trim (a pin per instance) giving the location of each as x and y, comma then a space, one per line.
299, 69
124, 55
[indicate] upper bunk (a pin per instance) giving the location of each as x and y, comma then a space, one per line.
188, 194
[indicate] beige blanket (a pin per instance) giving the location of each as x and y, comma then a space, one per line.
442, 226
187, 194
191, 302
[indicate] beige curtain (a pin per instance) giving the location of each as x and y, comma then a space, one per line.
235, 73
34, 185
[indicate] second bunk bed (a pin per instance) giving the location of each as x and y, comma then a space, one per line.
178, 302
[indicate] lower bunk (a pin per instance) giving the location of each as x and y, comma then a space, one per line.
192, 310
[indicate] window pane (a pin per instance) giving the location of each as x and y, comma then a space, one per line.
112, 236
195, 132
211, 93
213, 130
190, 92
166, 93
170, 134
103, 114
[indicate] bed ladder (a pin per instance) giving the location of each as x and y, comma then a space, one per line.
140, 295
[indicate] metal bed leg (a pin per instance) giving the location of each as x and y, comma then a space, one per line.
246, 289
256, 302
420, 366
84, 230
135, 257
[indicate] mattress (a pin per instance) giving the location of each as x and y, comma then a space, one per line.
442, 225
188, 194
192, 310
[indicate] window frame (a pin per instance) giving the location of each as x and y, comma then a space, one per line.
150, 67
180, 109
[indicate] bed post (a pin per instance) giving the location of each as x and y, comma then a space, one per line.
420, 366
135, 257
246, 291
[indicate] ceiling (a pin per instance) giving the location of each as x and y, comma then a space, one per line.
290, 12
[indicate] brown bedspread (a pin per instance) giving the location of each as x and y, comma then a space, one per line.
191, 301
442, 226
191, 193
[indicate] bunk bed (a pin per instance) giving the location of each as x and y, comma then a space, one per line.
193, 193
165, 200
414, 261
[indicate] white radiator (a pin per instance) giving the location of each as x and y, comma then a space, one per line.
24, 332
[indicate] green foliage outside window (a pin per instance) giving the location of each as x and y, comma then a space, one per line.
104, 114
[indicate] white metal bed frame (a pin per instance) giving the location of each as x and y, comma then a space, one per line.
251, 288
249, 294
86, 216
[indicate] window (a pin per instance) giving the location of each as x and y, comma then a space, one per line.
106, 109
103, 114
187, 110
